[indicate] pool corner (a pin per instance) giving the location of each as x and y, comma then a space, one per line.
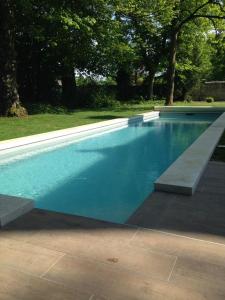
13, 207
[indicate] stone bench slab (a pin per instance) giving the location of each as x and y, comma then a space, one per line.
13, 207
184, 174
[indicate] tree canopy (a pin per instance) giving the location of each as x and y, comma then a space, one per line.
47, 45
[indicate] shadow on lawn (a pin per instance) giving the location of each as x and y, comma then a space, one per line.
103, 117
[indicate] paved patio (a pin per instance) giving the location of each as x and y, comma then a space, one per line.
179, 255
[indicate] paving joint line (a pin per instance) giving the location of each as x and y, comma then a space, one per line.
52, 265
134, 235
171, 272
183, 236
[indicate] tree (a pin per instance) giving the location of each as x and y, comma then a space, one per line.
9, 98
147, 23
124, 57
217, 43
184, 12
55, 39
193, 58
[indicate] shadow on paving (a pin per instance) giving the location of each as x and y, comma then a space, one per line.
47, 255
201, 215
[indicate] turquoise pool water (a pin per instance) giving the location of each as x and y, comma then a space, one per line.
105, 177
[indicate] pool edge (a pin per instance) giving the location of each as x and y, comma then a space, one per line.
12, 207
183, 175
10, 147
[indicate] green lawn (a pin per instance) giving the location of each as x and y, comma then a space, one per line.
38, 123
33, 124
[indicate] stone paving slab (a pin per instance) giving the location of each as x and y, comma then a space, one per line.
84, 274
180, 246
16, 285
179, 255
199, 276
134, 287
27, 257
101, 244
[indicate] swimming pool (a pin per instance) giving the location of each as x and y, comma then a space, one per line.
105, 177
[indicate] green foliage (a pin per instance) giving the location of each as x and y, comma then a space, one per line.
217, 44
145, 23
209, 99
102, 100
188, 99
94, 81
44, 108
200, 13
193, 59
56, 38
123, 42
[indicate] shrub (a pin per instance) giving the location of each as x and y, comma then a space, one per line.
209, 99
137, 100
188, 98
102, 100
44, 108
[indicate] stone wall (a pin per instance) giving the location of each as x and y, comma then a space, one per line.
215, 89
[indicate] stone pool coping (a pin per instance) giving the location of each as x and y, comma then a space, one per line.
194, 109
184, 174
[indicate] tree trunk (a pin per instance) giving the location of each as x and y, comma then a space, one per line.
9, 97
28, 73
123, 80
69, 88
171, 69
151, 78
